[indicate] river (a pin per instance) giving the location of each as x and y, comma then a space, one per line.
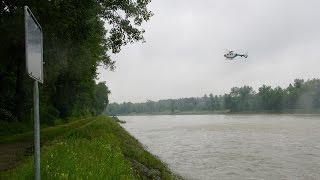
233, 146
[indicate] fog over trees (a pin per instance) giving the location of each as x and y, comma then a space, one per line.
299, 97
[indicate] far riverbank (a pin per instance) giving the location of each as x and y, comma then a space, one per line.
224, 112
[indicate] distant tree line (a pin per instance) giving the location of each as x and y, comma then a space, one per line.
300, 96
79, 36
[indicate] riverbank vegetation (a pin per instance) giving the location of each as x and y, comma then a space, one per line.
299, 97
100, 148
79, 36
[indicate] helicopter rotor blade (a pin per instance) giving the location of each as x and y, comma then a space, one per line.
226, 50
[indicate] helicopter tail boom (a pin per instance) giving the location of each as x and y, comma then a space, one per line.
243, 55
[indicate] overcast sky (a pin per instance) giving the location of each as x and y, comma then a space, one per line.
186, 40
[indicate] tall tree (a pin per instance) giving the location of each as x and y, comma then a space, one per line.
79, 35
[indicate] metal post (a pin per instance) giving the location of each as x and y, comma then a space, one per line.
36, 131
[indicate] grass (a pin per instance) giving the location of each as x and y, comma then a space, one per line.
47, 133
11, 128
100, 149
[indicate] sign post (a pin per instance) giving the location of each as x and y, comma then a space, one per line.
34, 65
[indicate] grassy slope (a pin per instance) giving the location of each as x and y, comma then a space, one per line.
99, 150
47, 133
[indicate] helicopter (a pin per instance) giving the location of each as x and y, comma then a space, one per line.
230, 55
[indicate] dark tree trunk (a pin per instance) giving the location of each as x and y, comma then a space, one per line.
18, 56
20, 95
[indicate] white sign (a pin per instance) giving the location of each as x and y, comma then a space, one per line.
34, 60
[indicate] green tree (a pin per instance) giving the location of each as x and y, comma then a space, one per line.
212, 102
101, 97
75, 44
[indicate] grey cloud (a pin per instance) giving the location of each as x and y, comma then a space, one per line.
183, 55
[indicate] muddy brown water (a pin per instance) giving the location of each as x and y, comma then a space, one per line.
233, 146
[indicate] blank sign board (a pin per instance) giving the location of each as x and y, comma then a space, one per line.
34, 60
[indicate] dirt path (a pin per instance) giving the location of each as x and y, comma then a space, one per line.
12, 153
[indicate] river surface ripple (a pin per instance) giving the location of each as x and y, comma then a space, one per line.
233, 146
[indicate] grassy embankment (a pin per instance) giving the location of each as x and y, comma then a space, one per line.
98, 149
